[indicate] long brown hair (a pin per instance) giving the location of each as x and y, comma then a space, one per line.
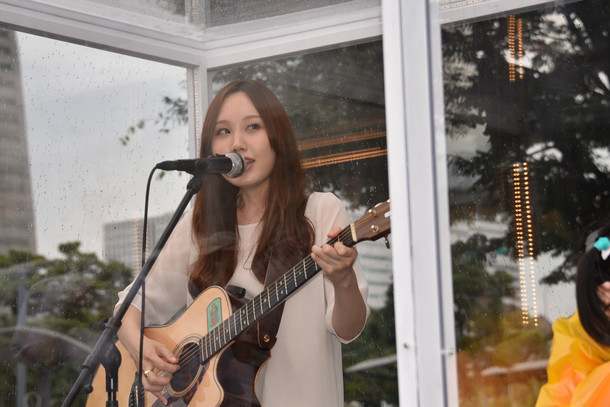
215, 212
592, 271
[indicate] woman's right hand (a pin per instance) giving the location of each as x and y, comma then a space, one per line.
158, 362
158, 366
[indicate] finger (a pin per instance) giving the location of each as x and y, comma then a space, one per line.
329, 250
166, 360
166, 366
327, 264
325, 256
339, 256
334, 232
160, 396
322, 252
155, 383
318, 256
344, 251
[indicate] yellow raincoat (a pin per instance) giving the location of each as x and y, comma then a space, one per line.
578, 369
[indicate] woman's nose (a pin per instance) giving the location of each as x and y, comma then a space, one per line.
238, 142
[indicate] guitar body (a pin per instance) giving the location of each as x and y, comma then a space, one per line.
227, 379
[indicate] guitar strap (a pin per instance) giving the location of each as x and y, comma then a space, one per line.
282, 257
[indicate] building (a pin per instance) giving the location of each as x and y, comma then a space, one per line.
17, 227
123, 240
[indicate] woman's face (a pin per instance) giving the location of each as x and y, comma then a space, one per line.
240, 128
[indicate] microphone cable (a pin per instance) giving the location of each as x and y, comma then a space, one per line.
137, 399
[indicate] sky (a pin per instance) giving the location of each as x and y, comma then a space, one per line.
79, 102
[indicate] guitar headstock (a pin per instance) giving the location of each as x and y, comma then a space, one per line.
375, 223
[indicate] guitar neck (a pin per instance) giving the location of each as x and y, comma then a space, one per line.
272, 296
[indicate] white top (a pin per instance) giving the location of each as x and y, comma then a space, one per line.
305, 368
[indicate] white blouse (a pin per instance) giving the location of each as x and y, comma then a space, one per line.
305, 366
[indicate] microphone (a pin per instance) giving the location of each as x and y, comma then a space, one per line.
232, 165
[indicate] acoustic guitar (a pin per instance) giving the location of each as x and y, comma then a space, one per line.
217, 367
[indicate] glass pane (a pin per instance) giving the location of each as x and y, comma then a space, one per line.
128, 10
335, 100
80, 131
527, 100
219, 12
172, 16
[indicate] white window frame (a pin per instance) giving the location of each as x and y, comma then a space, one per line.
417, 170
425, 333
420, 218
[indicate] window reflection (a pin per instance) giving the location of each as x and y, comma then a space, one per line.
80, 130
335, 101
209, 13
166, 9
527, 107
220, 12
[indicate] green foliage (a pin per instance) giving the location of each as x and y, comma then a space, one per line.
477, 292
489, 330
556, 117
70, 296
17, 257
378, 339
516, 343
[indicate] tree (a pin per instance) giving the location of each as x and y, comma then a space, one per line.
551, 112
71, 296
489, 328
378, 339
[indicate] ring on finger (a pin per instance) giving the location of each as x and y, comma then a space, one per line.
146, 372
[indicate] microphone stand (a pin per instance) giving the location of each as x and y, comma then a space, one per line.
105, 351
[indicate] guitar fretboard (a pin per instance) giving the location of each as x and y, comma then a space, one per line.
272, 296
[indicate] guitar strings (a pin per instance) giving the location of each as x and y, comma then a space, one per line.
219, 333
221, 329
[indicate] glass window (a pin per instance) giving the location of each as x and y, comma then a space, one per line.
80, 131
127, 10
219, 12
527, 100
335, 100
172, 16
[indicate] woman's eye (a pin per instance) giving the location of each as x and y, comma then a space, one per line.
254, 126
222, 131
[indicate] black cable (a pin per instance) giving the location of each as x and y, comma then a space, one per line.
140, 388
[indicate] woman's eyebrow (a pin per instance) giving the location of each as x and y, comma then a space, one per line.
245, 118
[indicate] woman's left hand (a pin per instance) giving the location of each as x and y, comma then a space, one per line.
349, 312
336, 260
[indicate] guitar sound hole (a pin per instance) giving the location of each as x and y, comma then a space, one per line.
190, 363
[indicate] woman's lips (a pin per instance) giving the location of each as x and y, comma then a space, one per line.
249, 163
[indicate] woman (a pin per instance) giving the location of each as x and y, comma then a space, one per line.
227, 240
578, 369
